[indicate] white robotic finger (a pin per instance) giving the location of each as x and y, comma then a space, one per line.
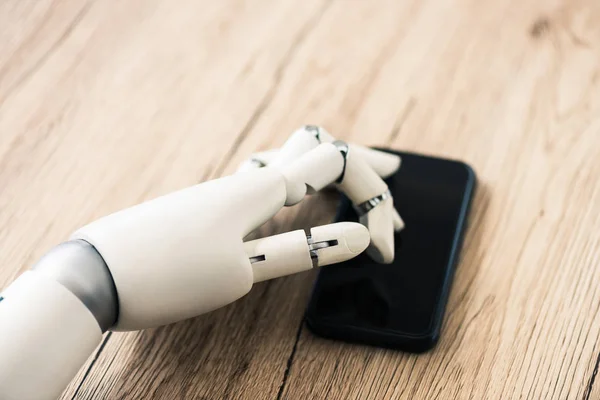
335, 243
381, 226
374, 204
293, 252
397, 220
259, 160
300, 142
384, 164
312, 171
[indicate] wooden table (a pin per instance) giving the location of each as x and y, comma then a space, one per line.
104, 104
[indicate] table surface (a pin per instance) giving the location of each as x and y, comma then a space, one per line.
104, 104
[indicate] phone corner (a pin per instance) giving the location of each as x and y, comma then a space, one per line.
426, 343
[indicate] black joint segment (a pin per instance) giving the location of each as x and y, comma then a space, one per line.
343, 149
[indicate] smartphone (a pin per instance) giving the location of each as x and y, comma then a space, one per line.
400, 305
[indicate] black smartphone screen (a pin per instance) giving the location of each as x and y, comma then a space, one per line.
400, 305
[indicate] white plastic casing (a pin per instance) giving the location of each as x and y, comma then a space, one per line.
182, 254
313, 170
46, 335
299, 143
381, 217
360, 182
289, 253
285, 254
384, 164
352, 239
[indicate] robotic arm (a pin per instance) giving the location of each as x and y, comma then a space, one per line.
183, 254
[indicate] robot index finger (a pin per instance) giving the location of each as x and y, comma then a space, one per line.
292, 252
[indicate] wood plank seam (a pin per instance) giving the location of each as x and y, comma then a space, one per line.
266, 101
89, 369
402, 117
588, 389
290, 360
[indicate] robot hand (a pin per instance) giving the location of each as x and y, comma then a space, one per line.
360, 179
183, 254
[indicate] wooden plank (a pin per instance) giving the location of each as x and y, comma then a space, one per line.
105, 104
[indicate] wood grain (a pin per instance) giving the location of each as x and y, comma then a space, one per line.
104, 104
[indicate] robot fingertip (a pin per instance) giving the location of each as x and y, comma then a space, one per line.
345, 240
